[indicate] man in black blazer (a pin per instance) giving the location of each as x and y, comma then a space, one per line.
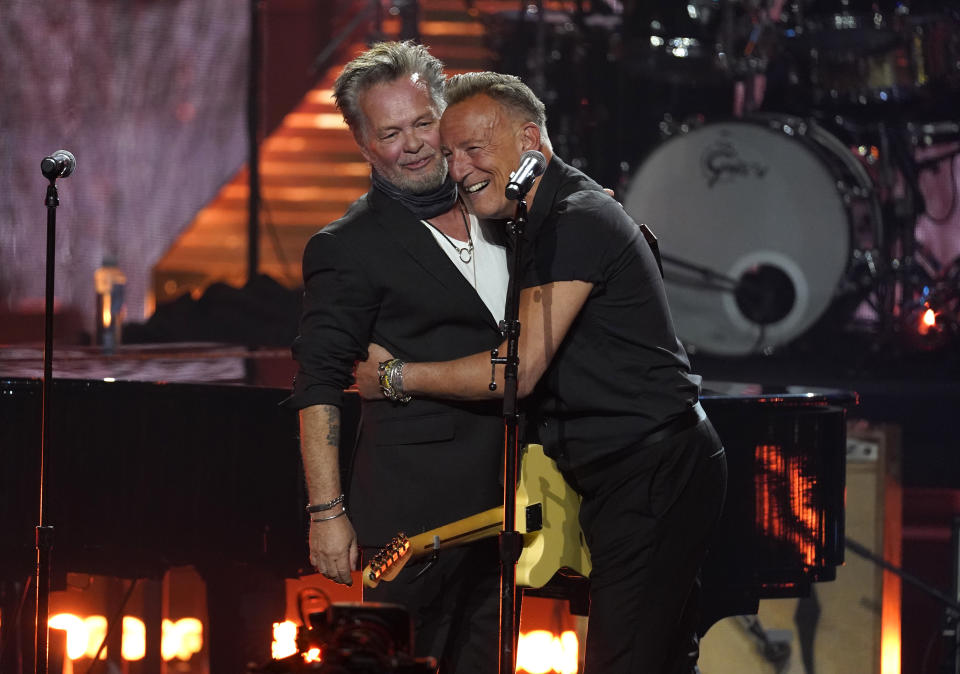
409, 268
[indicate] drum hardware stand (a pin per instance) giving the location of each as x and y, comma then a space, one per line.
775, 651
899, 271
536, 66
940, 282
900, 212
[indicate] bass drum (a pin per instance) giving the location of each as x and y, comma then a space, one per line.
758, 224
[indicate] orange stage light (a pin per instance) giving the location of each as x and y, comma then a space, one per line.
538, 651
284, 640
542, 652
181, 639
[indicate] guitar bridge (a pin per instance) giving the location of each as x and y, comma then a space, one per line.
534, 517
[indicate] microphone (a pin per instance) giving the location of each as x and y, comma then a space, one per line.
58, 165
532, 164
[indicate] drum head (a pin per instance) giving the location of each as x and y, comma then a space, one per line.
759, 210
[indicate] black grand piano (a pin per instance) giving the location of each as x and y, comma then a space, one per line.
144, 475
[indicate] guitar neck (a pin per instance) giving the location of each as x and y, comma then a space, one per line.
473, 528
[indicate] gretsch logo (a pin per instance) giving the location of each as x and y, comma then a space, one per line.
721, 162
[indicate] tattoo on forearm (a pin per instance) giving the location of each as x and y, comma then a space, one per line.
333, 426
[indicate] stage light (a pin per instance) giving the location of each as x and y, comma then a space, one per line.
134, 644
284, 640
538, 651
96, 627
890, 646
542, 652
181, 639
76, 633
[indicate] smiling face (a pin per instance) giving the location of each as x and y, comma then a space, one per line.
401, 138
482, 142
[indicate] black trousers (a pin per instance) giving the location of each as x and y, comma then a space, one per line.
455, 607
647, 519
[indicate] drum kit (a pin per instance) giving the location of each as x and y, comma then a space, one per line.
775, 147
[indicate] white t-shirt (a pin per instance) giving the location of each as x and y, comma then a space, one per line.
487, 269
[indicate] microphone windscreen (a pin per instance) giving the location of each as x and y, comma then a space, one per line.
68, 160
541, 161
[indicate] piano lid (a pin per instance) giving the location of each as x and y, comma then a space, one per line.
167, 363
749, 393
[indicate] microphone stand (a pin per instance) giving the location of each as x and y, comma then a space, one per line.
44, 532
510, 541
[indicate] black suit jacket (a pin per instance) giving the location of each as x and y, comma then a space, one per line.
378, 275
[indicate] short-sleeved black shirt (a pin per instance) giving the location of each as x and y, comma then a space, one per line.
621, 371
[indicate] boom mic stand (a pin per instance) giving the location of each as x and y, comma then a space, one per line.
59, 165
950, 604
511, 542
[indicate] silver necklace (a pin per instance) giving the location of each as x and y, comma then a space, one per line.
465, 253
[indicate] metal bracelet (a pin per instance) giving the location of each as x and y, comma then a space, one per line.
391, 380
384, 380
343, 511
396, 380
396, 376
320, 507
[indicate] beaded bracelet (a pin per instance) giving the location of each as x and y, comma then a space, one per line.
320, 507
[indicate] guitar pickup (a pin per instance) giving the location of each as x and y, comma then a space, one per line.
534, 514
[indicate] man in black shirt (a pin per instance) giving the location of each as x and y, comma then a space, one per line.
613, 399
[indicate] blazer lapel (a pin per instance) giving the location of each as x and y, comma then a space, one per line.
410, 235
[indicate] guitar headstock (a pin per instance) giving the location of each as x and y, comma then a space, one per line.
388, 561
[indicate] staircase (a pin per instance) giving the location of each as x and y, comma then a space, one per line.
310, 169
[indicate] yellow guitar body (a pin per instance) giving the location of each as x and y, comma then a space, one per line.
559, 543
553, 542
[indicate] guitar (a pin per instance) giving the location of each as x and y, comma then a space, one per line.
547, 516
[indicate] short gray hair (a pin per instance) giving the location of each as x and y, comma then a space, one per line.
508, 90
385, 62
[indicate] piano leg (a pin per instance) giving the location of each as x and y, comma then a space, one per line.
807, 618
153, 622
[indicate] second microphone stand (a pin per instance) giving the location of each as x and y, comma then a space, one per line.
510, 541
44, 532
